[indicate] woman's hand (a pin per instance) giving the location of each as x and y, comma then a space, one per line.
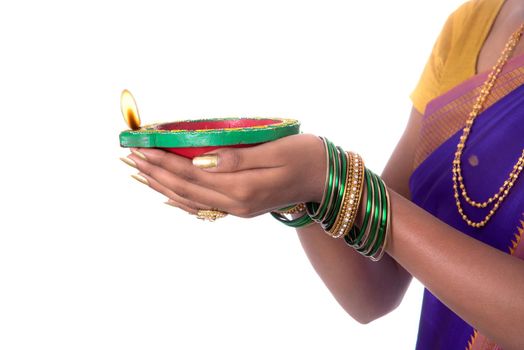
245, 181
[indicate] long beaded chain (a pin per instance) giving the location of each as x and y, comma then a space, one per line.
458, 183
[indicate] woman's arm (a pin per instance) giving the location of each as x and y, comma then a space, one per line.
482, 285
365, 289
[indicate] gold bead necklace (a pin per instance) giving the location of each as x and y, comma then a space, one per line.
458, 183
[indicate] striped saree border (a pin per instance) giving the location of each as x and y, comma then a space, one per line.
448, 113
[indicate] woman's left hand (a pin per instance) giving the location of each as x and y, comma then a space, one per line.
244, 181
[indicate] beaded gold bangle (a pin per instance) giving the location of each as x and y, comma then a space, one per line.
346, 177
357, 185
301, 221
353, 193
293, 209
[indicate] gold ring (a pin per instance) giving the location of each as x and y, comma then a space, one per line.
210, 214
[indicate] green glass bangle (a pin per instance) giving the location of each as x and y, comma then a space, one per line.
377, 214
332, 191
332, 216
312, 208
298, 222
355, 235
381, 207
382, 249
336, 184
383, 218
374, 223
316, 210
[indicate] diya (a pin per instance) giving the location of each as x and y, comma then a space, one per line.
191, 138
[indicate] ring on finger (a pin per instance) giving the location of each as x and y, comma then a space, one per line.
210, 214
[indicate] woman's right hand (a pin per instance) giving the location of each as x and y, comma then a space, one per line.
242, 181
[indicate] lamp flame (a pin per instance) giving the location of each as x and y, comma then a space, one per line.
129, 110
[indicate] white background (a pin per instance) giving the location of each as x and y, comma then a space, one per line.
91, 259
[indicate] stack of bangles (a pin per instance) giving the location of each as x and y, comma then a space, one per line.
343, 194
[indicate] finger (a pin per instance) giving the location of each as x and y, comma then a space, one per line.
181, 206
181, 167
174, 197
167, 192
182, 191
146, 180
229, 160
222, 160
267, 155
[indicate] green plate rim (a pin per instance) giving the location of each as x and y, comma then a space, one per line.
148, 136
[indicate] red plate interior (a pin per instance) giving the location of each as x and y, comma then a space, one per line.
191, 152
217, 124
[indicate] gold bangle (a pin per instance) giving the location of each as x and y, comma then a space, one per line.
295, 209
357, 187
352, 194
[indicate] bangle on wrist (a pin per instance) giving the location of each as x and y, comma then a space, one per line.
346, 176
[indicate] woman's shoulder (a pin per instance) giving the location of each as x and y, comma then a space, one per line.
456, 50
477, 13
478, 5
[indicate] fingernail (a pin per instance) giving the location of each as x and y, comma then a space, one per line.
138, 154
171, 204
128, 161
208, 161
141, 179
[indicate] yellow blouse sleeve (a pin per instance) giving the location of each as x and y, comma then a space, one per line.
454, 55
428, 86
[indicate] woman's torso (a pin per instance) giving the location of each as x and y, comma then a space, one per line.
440, 328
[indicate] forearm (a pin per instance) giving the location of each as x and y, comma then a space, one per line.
479, 283
365, 289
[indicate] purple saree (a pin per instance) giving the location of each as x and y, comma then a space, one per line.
494, 146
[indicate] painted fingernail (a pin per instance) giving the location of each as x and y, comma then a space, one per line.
208, 161
128, 161
171, 204
138, 154
141, 179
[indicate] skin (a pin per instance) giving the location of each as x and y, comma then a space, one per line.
454, 267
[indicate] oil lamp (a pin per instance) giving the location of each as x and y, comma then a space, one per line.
191, 138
